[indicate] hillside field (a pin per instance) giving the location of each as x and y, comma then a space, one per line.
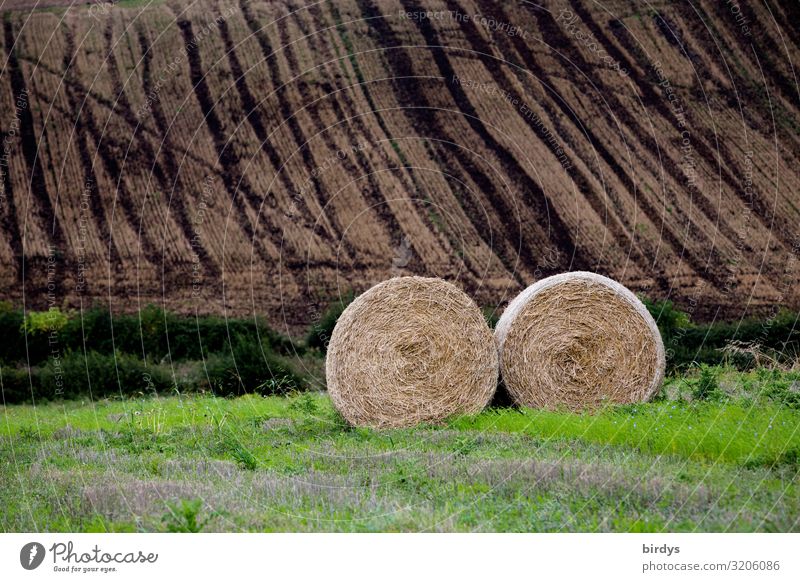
265, 157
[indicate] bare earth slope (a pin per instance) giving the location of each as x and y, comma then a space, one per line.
264, 157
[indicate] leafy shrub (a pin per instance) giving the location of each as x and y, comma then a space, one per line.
100, 375
688, 344
250, 366
44, 322
706, 386
16, 384
244, 458
305, 404
183, 517
321, 331
151, 334
670, 319
783, 392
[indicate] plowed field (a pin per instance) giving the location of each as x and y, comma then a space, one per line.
266, 156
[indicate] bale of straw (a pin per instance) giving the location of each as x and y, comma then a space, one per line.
410, 350
576, 341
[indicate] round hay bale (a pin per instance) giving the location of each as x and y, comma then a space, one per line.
410, 350
577, 341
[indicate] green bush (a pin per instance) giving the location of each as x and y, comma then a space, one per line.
77, 376
44, 322
16, 384
184, 516
688, 344
321, 331
100, 375
706, 385
670, 319
250, 366
150, 334
782, 388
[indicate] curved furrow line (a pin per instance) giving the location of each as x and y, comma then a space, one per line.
334, 232
172, 191
106, 149
9, 219
373, 195
764, 45
235, 183
401, 171
670, 31
107, 104
791, 14
532, 194
423, 121
707, 268
35, 174
377, 202
90, 188
256, 122
411, 95
777, 114
517, 259
770, 220
554, 35
616, 221
645, 86
723, 55
650, 210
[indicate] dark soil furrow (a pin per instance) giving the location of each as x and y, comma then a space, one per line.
256, 122
401, 171
791, 13
234, 181
288, 116
171, 190
619, 227
107, 150
554, 38
133, 124
556, 231
378, 202
411, 96
166, 145
554, 35
372, 193
9, 208
719, 148
704, 267
652, 99
762, 44
30, 151
745, 94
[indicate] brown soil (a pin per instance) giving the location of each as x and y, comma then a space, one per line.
266, 156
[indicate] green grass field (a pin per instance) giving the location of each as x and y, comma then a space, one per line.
729, 462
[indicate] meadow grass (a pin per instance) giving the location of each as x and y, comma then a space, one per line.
290, 463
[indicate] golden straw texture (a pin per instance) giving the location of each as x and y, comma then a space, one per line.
576, 341
410, 350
